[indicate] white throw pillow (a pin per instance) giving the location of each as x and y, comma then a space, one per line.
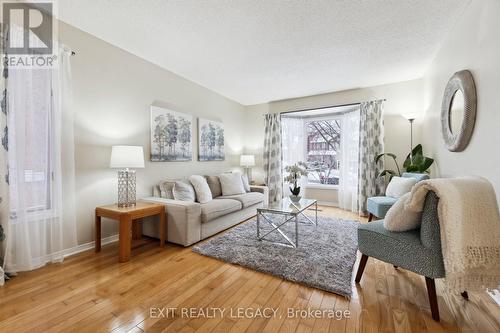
398, 186
399, 219
246, 184
231, 183
183, 191
203, 193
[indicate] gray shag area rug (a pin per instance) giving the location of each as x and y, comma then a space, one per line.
324, 259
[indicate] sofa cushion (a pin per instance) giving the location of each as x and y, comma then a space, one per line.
183, 191
231, 183
201, 188
214, 184
166, 188
246, 199
217, 208
246, 184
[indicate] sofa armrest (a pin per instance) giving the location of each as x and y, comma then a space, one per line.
183, 220
262, 189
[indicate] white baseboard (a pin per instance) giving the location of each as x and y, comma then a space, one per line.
328, 203
88, 246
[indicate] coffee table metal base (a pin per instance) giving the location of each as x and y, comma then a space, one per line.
276, 227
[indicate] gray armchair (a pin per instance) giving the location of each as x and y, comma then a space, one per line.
418, 250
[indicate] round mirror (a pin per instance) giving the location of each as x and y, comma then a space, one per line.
456, 112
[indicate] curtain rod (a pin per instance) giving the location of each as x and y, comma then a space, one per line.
324, 107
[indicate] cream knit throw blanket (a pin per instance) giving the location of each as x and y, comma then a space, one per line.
470, 230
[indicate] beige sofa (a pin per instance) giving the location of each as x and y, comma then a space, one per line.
191, 222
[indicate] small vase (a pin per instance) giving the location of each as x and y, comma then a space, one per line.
295, 198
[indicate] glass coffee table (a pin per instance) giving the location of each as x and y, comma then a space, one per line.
291, 211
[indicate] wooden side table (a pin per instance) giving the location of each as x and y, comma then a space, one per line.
128, 216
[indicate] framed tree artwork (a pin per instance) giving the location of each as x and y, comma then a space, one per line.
210, 140
171, 135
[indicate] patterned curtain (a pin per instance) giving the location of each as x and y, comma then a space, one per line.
371, 143
4, 177
272, 157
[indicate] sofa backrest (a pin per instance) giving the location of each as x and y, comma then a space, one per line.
214, 185
164, 188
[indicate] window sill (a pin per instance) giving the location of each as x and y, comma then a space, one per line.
322, 186
34, 215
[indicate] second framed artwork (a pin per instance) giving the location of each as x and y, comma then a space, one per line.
210, 140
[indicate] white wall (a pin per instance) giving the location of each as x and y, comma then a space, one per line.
401, 98
112, 92
473, 44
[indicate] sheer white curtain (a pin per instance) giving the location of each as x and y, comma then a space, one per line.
40, 156
349, 161
294, 146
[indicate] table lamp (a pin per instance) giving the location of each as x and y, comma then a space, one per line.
126, 158
247, 161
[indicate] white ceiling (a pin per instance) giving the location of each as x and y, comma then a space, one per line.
255, 51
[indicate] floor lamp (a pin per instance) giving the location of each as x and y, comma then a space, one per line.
411, 119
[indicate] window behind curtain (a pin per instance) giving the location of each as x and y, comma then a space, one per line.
30, 135
317, 137
323, 150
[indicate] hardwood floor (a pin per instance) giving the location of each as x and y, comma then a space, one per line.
94, 293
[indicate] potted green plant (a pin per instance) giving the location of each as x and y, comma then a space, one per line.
414, 162
295, 172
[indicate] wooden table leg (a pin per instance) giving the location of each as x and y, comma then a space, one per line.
125, 241
97, 231
137, 229
163, 230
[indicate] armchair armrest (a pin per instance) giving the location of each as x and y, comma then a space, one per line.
262, 189
183, 220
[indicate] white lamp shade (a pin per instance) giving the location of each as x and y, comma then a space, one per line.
247, 160
127, 157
